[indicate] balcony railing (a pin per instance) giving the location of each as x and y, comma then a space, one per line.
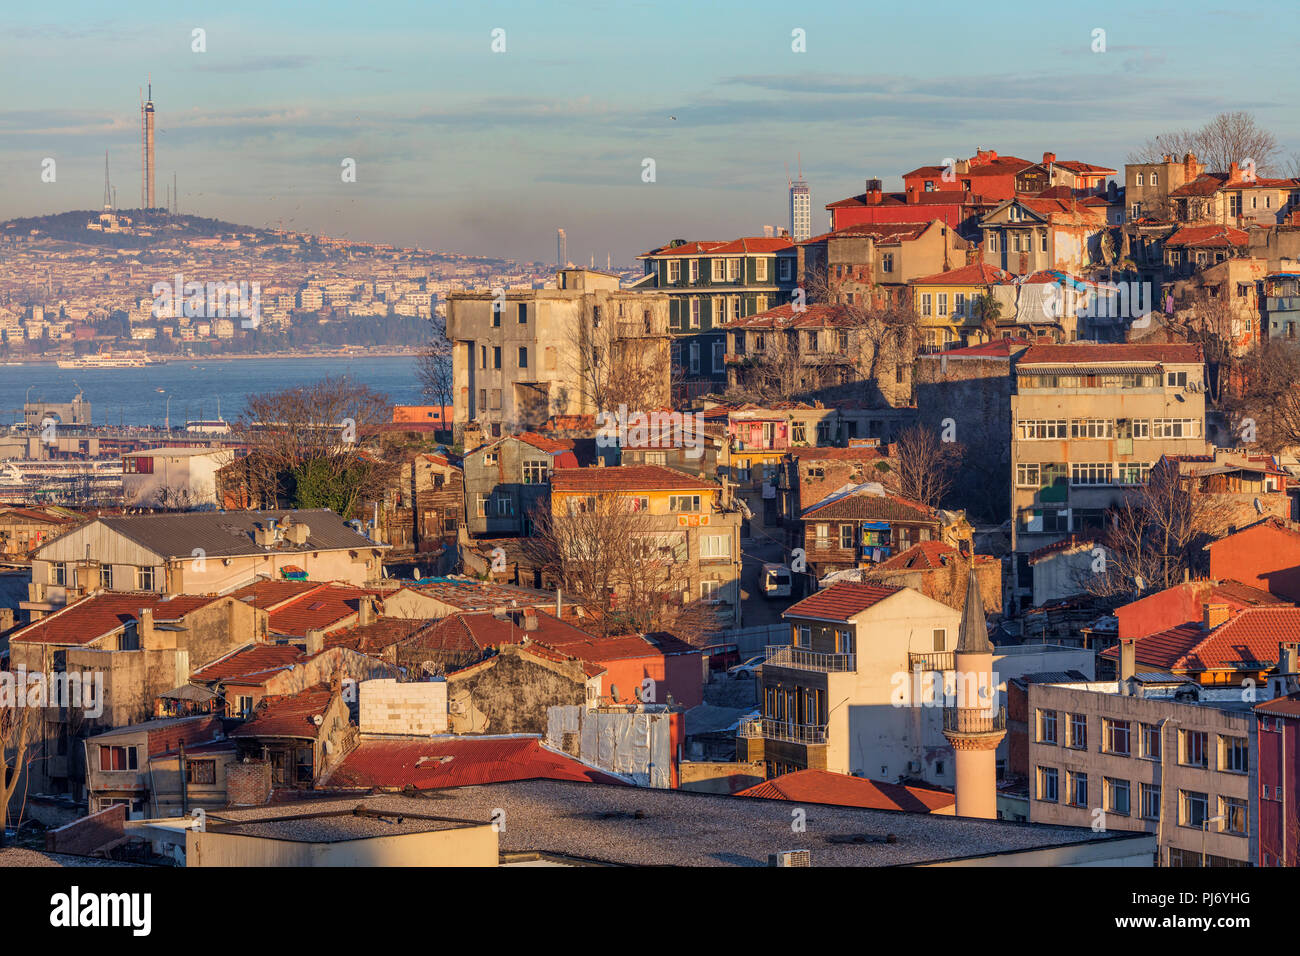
978, 721
784, 655
788, 731
934, 661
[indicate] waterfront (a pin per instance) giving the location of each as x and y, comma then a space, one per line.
131, 396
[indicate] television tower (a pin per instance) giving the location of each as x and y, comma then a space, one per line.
108, 190
146, 150
561, 249
800, 206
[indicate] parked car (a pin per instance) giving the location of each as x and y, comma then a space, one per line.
776, 580
748, 669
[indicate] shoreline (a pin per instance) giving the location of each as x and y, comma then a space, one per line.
236, 357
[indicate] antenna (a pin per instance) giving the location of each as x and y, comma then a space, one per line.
788, 180
799, 158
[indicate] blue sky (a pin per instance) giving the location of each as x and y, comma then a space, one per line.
462, 149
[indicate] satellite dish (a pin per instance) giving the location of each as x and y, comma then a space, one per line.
1259, 506
318, 720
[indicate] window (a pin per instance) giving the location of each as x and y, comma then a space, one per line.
1092, 428
760, 270
798, 433
1079, 731
1028, 474
1117, 737
674, 270
523, 313
695, 313
523, 357
1234, 754
1077, 787
695, 270
1047, 727
684, 503
505, 506
496, 357
536, 472
1233, 812
695, 356
117, 758
1042, 245
496, 314
1176, 427
1117, 796
846, 536
943, 303
490, 458
803, 636
785, 269
887, 262
1193, 808
146, 579
940, 639
59, 573
823, 532
1090, 473
1151, 741
1139, 179
1034, 430
1047, 784
1155, 179
481, 505
719, 267
926, 308
1193, 749
106, 577
1150, 801
710, 592
993, 242
1176, 379
243, 705
201, 771
1132, 473
715, 546
719, 350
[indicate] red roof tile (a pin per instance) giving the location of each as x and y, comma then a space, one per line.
977, 273
626, 478
288, 716
1208, 237
839, 602
1093, 354
842, 790
430, 764
260, 659
95, 616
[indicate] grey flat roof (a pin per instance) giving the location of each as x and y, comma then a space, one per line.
646, 827
335, 823
229, 533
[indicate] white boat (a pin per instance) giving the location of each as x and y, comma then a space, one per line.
110, 361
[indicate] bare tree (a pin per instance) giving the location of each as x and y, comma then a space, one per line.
924, 466
1231, 137
434, 366
613, 361
1205, 317
17, 734
1157, 534
317, 445
623, 563
1264, 405
778, 371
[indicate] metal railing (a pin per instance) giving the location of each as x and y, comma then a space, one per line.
784, 655
933, 661
786, 730
963, 721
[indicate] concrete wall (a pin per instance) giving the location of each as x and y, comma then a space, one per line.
82, 837
702, 776
470, 845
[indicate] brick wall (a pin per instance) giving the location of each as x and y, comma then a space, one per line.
83, 837
388, 707
248, 783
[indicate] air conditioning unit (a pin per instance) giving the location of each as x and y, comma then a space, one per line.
790, 858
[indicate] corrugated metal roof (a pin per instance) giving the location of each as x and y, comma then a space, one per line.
230, 533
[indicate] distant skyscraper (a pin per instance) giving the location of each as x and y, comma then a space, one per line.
146, 151
561, 249
800, 209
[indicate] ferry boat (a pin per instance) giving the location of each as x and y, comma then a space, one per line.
111, 361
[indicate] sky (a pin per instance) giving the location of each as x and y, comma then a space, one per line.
459, 148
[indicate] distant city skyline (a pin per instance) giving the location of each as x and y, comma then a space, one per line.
462, 149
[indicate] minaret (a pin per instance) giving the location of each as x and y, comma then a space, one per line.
976, 725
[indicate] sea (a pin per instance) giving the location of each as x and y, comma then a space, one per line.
195, 389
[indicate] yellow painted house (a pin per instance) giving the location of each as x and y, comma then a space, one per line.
944, 304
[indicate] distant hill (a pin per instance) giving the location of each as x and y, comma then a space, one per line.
71, 227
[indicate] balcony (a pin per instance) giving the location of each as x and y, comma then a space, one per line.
935, 661
961, 721
785, 655
785, 730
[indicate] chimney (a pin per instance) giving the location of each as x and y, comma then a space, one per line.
144, 628
530, 619
366, 610
559, 605
874, 190
1168, 157
1127, 658
1049, 158
1215, 614
315, 641
1234, 172
1288, 657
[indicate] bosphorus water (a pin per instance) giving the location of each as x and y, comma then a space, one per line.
139, 396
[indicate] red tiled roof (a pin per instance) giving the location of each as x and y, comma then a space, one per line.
1288, 706
997, 348
94, 616
374, 637
1092, 354
925, 556
839, 602
817, 316
546, 443
1247, 640
1208, 236
884, 232
1065, 544
820, 453
977, 273
321, 609
288, 716
249, 661
270, 593
457, 762
842, 790
474, 633
884, 507
1206, 184
734, 247
626, 478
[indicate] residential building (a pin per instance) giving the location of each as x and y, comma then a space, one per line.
1089, 421
1025, 235
1265, 555
179, 478
709, 284
945, 306
159, 768
521, 356
1279, 769
508, 478
303, 736
198, 553
869, 266
1148, 186
860, 526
